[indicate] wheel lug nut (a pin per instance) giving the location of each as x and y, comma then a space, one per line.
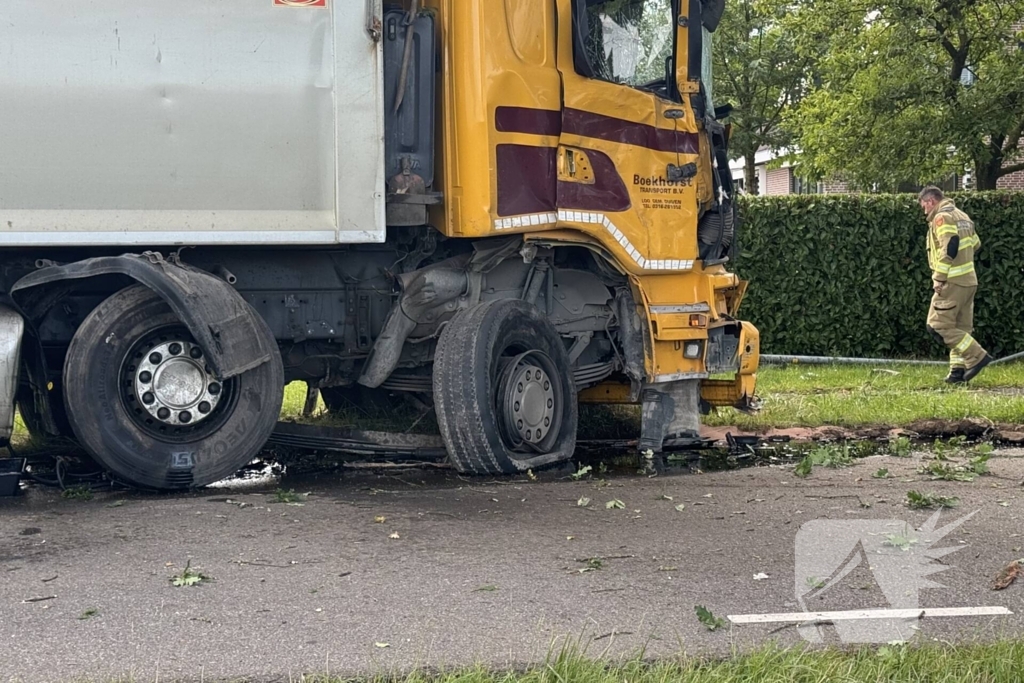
547, 385
174, 349
527, 375
516, 406
155, 358
529, 435
214, 388
163, 413
145, 377
196, 352
519, 424
519, 387
547, 421
550, 403
185, 416
204, 407
148, 398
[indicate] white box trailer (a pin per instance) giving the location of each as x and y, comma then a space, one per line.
190, 122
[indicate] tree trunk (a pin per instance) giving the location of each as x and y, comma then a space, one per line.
987, 174
750, 173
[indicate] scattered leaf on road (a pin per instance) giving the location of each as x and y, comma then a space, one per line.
581, 472
1008, 575
815, 582
583, 502
531, 475
188, 577
918, 501
382, 645
615, 504
289, 496
394, 535
804, 467
664, 497
706, 617
680, 507
89, 614
760, 576
485, 589
380, 519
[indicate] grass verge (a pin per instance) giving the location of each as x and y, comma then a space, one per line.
851, 396
979, 663
809, 379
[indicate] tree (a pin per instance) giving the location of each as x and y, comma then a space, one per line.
758, 71
911, 90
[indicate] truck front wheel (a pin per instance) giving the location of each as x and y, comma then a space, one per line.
503, 390
142, 400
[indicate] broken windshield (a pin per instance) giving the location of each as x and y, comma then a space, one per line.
629, 41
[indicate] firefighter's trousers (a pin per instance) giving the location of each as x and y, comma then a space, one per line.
951, 317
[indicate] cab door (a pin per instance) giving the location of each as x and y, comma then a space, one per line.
627, 161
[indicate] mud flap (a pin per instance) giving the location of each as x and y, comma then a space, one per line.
216, 315
671, 415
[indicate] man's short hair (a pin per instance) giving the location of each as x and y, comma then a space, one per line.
931, 192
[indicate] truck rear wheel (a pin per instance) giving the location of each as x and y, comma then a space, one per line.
503, 390
143, 402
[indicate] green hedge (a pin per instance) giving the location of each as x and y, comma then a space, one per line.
847, 275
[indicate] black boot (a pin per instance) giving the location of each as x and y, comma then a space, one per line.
976, 370
955, 376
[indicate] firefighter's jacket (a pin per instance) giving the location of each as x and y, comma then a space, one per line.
952, 244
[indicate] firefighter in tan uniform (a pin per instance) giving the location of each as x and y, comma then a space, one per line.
952, 244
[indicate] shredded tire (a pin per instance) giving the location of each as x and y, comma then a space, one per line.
465, 372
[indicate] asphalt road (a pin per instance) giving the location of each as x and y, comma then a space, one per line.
459, 571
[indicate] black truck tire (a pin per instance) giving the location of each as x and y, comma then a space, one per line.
142, 401
503, 390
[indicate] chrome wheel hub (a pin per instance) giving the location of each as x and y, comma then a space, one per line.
529, 403
173, 384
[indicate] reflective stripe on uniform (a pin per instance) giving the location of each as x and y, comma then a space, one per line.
955, 357
972, 241
964, 344
942, 268
960, 270
948, 230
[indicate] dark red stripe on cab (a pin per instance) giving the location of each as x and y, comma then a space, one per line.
590, 125
528, 183
528, 120
527, 179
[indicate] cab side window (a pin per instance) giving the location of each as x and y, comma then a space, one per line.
628, 42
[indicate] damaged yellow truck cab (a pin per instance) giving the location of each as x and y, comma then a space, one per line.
591, 123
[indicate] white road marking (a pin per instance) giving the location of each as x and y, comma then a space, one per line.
849, 615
